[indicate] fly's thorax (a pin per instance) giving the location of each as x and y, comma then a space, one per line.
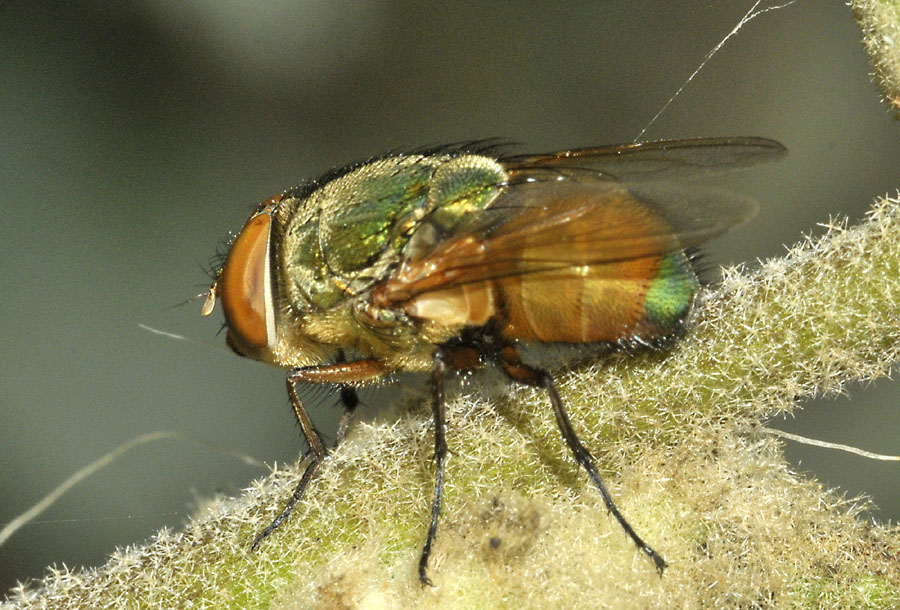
356, 230
462, 186
313, 338
332, 246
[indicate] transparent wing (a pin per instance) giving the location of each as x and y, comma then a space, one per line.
544, 221
661, 160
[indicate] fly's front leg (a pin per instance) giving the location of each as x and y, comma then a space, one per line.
523, 373
318, 454
343, 372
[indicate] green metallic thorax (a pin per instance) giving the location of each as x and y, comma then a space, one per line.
348, 234
333, 245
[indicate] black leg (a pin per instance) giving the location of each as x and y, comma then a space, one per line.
440, 455
536, 377
349, 400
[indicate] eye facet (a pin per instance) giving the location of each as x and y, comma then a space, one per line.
245, 286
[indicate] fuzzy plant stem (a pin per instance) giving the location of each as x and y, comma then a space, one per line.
879, 21
678, 436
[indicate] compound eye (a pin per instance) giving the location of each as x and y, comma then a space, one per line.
245, 285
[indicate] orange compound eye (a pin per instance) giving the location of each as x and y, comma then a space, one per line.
245, 287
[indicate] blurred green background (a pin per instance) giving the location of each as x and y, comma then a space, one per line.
135, 135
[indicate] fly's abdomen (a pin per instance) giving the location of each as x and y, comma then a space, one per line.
671, 293
645, 299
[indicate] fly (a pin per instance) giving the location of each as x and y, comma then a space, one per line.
450, 259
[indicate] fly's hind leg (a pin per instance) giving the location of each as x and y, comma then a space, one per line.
523, 373
342, 373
